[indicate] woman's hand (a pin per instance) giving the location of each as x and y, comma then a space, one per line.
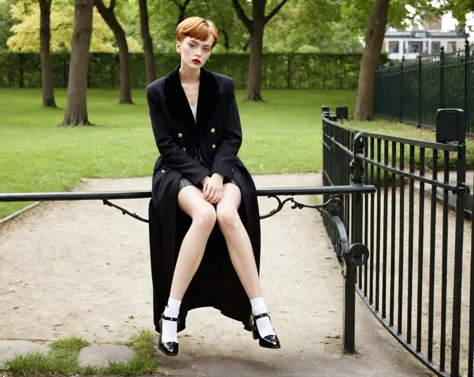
213, 188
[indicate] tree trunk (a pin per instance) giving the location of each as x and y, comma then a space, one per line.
76, 111
109, 17
226, 39
147, 42
45, 56
364, 109
255, 64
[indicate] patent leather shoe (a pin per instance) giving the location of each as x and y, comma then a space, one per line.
269, 341
168, 348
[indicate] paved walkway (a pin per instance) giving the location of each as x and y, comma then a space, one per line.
79, 268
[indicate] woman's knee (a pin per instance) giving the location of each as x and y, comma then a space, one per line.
227, 217
205, 216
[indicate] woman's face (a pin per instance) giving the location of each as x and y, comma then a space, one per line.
194, 53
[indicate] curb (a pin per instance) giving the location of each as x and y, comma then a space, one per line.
18, 213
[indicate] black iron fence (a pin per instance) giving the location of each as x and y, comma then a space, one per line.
412, 91
419, 280
279, 70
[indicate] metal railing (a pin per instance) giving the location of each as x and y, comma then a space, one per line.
412, 91
349, 256
418, 282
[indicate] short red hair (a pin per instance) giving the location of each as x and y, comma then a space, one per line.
197, 28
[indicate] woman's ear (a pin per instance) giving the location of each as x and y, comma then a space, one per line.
178, 45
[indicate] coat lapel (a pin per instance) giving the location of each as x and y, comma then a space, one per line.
178, 104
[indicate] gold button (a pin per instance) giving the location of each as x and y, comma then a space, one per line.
184, 149
213, 130
213, 146
180, 135
163, 170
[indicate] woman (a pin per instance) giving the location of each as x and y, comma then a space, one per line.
204, 219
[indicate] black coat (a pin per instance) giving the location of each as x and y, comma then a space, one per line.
219, 135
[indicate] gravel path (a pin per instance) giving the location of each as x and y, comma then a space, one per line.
79, 268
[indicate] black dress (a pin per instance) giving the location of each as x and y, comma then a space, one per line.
215, 283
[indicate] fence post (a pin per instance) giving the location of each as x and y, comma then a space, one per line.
419, 91
441, 79
466, 91
401, 88
350, 274
461, 191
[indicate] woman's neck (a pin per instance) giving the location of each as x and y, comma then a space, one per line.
189, 76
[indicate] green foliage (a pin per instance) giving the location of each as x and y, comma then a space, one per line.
26, 32
6, 22
296, 71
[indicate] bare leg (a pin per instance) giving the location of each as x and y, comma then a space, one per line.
194, 243
243, 260
238, 241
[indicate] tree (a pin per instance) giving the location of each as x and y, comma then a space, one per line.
76, 111
383, 13
46, 64
26, 31
255, 27
182, 9
6, 22
108, 15
370, 58
147, 42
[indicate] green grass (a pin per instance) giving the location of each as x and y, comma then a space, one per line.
62, 359
281, 135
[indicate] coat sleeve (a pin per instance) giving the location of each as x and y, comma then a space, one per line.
172, 154
226, 156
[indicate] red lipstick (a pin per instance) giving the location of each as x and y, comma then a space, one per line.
197, 61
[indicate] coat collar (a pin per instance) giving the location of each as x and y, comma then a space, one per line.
207, 99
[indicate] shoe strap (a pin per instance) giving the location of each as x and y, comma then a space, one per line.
170, 318
261, 316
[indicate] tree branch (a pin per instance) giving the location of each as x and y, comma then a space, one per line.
241, 14
275, 11
177, 4
112, 5
187, 3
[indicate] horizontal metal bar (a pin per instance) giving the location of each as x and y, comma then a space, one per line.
415, 142
64, 196
407, 174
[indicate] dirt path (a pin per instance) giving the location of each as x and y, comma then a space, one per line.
79, 268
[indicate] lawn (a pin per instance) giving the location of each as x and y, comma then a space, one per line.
281, 135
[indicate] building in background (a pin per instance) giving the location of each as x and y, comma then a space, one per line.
426, 40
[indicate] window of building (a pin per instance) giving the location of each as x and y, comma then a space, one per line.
393, 46
435, 47
415, 47
451, 47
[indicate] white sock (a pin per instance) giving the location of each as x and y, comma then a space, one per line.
169, 329
264, 325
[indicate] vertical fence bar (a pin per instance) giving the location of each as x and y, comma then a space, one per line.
444, 265
420, 107
372, 219
400, 239
441, 79
470, 352
432, 257
385, 231
401, 88
419, 305
392, 245
459, 235
411, 203
466, 86
377, 248
356, 237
